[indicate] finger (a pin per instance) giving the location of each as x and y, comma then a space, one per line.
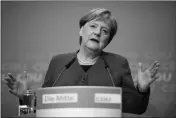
156, 65
153, 65
140, 67
154, 71
10, 76
8, 80
13, 92
153, 79
25, 75
10, 86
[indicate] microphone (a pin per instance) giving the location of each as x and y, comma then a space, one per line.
63, 69
70, 63
107, 68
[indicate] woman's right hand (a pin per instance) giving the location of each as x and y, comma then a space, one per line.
16, 86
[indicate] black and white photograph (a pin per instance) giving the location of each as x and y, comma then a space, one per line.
88, 59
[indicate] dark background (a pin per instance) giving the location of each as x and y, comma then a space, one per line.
34, 31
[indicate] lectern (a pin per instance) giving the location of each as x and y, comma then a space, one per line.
79, 101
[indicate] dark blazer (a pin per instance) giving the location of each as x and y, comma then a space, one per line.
132, 100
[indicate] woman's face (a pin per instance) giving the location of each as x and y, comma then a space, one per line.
95, 35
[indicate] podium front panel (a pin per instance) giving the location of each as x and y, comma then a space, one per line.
79, 101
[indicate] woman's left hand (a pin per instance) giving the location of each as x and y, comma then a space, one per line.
147, 76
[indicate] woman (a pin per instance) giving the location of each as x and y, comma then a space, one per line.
91, 66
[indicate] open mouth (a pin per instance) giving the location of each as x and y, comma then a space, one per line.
95, 40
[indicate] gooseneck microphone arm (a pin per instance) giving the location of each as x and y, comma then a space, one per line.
63, 69
107, 68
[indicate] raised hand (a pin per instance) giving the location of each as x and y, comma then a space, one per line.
147, 76
17, 87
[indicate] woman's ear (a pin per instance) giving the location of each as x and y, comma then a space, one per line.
81, 31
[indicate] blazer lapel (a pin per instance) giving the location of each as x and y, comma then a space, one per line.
72, 75
98, 75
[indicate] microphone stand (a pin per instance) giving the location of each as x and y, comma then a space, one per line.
107, 68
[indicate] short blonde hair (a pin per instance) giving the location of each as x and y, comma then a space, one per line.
103, 15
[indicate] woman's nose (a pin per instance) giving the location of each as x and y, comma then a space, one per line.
97, 31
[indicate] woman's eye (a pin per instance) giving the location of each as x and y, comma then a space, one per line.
93, 26
105, 32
